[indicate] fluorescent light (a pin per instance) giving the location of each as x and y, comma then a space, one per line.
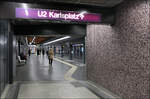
83, 12
60, 39
26, 40
25, 6
32, 40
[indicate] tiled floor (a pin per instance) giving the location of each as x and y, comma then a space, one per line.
54, 91
74, 59
37, 80
37, 69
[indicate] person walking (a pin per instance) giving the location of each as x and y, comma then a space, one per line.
51, 56
43, 52
29, 52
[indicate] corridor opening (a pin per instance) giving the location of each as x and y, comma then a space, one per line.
65, 77
67, 42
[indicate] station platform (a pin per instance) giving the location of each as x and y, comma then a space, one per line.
37, 68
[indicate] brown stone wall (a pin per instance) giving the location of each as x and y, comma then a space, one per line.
118, 56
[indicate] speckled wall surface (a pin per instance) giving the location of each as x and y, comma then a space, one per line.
118, 56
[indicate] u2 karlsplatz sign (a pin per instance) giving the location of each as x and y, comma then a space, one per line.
60, 15
30, 13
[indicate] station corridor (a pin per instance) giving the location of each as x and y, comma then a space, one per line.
100, 49
63, 80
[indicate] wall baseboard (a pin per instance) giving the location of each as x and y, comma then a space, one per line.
104, 93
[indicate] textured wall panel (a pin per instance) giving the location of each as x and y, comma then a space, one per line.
118, 57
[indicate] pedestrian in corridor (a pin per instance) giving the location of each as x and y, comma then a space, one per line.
51, 56
29, 52
43, 52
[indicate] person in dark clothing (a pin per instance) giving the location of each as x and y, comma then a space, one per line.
43, 51
38, 52
47, 52
22, 56
29, 52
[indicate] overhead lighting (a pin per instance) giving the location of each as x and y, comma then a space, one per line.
25, 6
32, 40
26, 40
60, 39
83, 12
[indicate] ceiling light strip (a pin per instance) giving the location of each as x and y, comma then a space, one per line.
60, 39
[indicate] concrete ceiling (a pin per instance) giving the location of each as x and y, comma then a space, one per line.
107, 3
103, 3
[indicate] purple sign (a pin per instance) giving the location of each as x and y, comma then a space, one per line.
30, 13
